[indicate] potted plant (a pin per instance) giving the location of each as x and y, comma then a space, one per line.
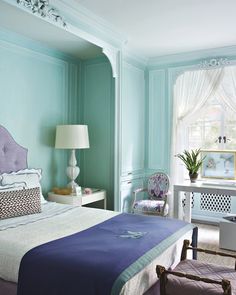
192, 161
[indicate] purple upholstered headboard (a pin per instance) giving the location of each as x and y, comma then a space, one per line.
13, 157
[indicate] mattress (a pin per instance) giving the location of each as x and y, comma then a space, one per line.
19, 235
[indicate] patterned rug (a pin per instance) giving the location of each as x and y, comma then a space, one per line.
208, 238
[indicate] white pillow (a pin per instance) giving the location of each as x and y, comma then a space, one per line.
31, 178
12, 187
24, 171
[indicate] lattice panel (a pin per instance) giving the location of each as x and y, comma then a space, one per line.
184, 201
215, 203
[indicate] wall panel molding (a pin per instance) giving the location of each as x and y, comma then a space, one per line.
133, 119
24, 51
157, 149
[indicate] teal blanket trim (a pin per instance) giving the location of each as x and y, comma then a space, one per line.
147, 258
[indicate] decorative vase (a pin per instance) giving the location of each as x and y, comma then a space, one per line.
193, 177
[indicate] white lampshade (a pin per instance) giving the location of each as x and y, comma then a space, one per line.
72, 137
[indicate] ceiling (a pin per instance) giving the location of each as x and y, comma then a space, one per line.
161, 27
45, 33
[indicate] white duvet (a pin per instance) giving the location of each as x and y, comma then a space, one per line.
19, 235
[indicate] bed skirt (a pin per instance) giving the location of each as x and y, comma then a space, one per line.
8, 288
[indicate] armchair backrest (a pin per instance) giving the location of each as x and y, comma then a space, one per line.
158, 185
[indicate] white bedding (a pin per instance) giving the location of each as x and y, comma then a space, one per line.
19, 235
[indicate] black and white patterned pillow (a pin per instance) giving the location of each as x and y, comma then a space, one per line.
21, 202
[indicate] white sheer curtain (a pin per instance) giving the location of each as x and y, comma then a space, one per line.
191, 92
227, 88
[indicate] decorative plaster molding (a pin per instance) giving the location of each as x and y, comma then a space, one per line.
43, 9
214, 63
191, 57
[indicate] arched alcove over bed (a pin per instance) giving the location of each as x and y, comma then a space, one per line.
69, 77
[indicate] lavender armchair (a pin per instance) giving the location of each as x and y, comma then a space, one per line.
158, 191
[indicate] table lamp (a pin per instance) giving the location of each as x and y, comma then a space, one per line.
72, 137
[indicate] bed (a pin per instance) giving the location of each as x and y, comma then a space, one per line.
26, 240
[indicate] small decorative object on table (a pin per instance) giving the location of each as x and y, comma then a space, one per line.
62, 191
192, 162
67, 191
88, 191
78, 191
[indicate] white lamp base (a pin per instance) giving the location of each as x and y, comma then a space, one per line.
72, 171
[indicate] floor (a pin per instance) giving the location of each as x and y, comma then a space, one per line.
208, 238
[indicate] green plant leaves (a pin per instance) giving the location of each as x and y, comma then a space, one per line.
191, 160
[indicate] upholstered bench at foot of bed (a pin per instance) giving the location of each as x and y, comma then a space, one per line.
184, 286
197, 277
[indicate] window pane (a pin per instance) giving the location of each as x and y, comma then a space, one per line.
216, 121
230, 129
204, 132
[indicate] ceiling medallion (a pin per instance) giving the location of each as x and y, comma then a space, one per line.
42, 8
214, 63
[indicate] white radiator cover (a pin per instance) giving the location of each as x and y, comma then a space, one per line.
212, 207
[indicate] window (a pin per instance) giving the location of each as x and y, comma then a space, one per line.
204, 118
214, 129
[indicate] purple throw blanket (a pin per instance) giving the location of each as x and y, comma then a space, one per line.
89, 262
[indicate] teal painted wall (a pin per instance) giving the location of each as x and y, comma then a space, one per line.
38, 91
41, 88
157, 122
132, 120
133, 131
97, 162
48, 88
97, 111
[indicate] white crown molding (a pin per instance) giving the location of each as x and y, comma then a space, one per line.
89, 21
137, 60
75, 28
184, 57
80, 21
